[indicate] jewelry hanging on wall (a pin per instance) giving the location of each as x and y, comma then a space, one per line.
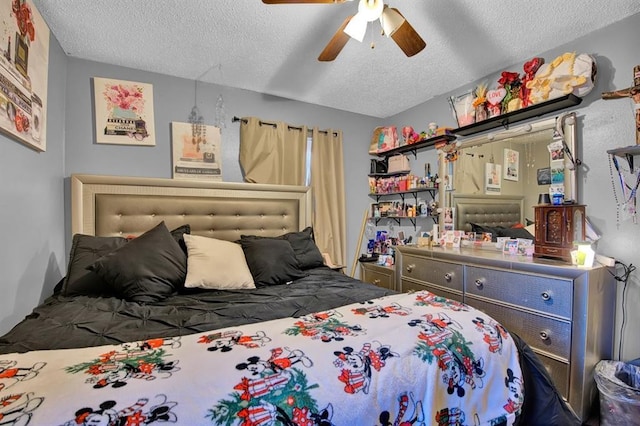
198, 129
627, 209
221, 113
530, 160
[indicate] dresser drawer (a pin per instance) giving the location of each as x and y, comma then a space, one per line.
542, 333
378, 275
548, 295
559, 372
443, 274
409, 285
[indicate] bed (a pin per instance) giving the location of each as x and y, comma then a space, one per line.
157, 322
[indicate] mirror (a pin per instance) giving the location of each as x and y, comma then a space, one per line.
515, 162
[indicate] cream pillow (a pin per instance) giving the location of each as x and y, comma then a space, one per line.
216, 264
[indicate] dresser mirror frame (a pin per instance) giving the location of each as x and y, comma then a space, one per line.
514, 136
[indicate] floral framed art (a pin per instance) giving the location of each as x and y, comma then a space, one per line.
24, 73
196, 151
123, 112
511, 164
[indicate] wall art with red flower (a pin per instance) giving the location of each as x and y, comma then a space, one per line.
124, 112
24, 72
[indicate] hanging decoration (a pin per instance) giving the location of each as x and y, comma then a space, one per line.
221, 113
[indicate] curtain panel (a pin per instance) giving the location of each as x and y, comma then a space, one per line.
327, 183
275, 153
272, 152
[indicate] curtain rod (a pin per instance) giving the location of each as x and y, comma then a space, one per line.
235, 119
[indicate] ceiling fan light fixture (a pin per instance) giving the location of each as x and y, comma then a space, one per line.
356, 28
390, 20
370, 10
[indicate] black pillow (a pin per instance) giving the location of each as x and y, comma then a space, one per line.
303, 244
305, 248
515, 233
482, 228
271, 261
148, 269
85, 250
178, 235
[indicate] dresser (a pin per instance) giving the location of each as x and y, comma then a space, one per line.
565, 313
382, 276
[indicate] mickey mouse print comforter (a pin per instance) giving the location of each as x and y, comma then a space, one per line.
402, 359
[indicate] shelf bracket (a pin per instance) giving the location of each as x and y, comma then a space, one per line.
629, 159
505, 124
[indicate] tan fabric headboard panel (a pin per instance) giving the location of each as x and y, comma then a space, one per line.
487, 210
120, 206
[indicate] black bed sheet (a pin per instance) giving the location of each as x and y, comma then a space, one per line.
71, 322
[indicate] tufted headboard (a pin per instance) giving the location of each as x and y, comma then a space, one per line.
487, 210
120, 206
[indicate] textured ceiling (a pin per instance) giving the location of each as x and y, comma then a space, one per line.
272, 49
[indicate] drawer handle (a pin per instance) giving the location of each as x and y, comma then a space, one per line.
448, 276
552, 250
479, 283
544, 335
410, 267
546, 296
376, 282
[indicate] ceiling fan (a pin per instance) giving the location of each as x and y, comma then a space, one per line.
393, 24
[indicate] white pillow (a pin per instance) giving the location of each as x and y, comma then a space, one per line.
216, 264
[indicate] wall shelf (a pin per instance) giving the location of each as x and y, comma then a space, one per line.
627, 152
392, 174
415, 147
504, 120
402, 194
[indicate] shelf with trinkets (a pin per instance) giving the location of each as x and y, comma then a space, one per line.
403, 185
505, 120
417, 146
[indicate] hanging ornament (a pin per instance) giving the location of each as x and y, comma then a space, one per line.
221, 114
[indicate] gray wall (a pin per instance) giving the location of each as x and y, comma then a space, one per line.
32, 254
602, 125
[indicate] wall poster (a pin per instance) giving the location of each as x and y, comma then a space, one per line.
511, 164
24, 73
492, 179
124, 112
196, 151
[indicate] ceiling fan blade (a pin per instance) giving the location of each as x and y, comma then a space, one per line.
337, 42
407, 38
300, 1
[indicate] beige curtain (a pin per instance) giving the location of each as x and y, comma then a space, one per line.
327, 183
272, 152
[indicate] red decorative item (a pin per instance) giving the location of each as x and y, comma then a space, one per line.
530, 69
511, 82
22, 12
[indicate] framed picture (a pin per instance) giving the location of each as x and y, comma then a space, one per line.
511, 164
557, 172
124, 112
24, 73
544, 176
492, 178
196, 151
449, 218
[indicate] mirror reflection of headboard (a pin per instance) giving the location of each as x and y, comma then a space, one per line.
533, 166
497, 210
